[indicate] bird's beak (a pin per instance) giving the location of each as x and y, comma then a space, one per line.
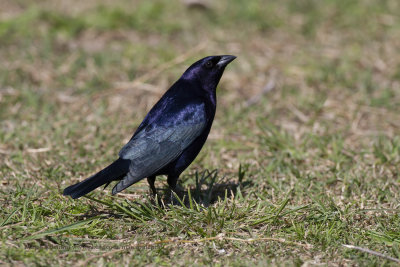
225, 60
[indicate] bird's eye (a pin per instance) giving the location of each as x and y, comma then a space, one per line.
209, 64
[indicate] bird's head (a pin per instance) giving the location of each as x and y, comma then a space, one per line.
208, 71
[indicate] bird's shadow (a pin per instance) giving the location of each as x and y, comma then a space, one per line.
207, 189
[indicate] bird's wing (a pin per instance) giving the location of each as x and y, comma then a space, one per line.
157, 145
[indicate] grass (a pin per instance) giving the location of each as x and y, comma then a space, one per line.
303, 156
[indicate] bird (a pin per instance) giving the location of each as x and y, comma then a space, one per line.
171, 135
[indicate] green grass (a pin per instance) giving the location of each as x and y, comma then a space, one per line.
307, 167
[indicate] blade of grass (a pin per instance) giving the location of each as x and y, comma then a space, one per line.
10, 216
73, 226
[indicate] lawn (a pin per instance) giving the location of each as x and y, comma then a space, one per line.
302, 165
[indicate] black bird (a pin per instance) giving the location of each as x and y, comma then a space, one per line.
170, 136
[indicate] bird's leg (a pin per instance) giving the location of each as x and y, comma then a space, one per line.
172, 181
151, 181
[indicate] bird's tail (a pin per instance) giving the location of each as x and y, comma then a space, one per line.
115, 171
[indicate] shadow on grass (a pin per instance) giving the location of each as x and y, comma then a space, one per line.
207, 189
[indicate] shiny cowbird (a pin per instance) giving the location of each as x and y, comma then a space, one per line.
170, 136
